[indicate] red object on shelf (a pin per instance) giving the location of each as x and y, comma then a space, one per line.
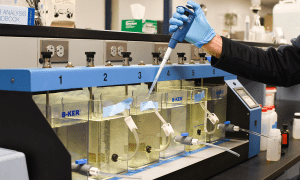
270, 88
264, 109
284, 139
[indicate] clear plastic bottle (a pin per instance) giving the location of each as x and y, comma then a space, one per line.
270, 113
247, 31
296, 126
275, 118
274, 145
265, 128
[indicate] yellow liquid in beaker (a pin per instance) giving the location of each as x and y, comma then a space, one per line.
195, 122
217, 106
149, 135
177, 117
108, 137
74, 138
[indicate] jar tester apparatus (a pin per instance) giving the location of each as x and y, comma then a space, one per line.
177, 36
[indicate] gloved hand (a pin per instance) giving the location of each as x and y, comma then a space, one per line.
200, 32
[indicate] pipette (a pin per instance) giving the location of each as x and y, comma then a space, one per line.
178, 36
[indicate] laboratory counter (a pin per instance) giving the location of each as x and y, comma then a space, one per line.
258, 167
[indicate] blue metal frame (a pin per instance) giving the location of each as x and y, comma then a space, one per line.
255, 114
167, 15
35, 80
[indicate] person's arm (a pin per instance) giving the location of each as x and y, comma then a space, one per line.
281, 68
275, 67
214, 47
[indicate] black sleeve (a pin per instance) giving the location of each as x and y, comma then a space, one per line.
274, 67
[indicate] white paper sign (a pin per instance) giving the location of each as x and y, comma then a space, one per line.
16, 15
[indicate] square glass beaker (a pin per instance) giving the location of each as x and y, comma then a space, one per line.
196, 115
108, 135
217, 104
69, 120
174, 111
148, 130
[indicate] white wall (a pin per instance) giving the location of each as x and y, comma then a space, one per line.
218, 8
154, 11
90, 14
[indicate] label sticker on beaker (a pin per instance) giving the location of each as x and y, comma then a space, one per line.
117, 108
198, 97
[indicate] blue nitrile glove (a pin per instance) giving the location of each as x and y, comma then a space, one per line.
200, 32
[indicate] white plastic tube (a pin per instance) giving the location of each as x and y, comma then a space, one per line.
166, 146
125, 114
225, 149
205, 128
205, 121
162, 65
169, 137
203, 107
159, 116
137, 141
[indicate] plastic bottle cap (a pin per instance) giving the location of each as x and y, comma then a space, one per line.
297, 115
269, 108
271, 90
184, 134
264, 110
227, 122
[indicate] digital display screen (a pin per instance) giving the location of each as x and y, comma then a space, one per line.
248, 100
